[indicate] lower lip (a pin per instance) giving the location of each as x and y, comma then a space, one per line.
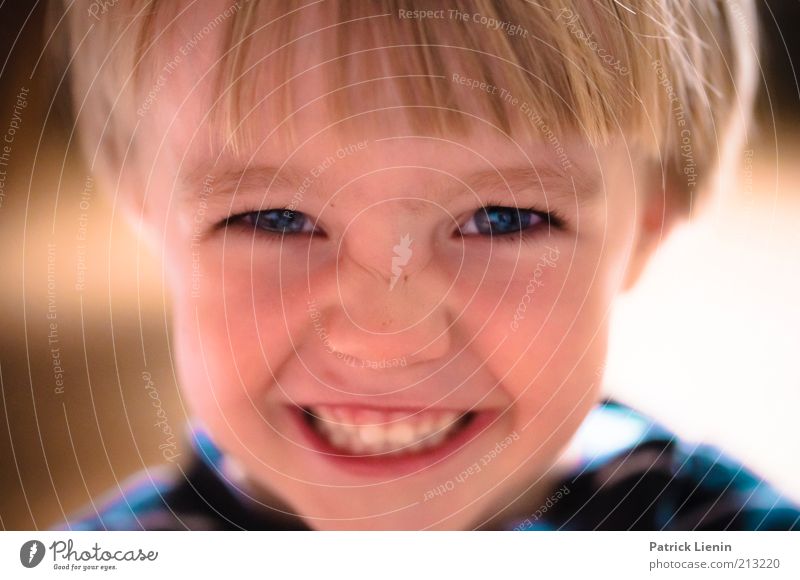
387, 465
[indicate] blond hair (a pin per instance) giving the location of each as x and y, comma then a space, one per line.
676, 76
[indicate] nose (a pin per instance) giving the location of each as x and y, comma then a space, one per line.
386, 303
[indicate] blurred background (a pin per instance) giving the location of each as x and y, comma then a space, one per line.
709, 343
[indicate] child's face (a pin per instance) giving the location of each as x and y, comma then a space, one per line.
400, 310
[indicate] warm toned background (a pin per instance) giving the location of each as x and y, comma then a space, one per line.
709, 343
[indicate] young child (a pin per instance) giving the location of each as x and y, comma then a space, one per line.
393, 233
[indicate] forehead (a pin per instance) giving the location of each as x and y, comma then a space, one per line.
350, 53
298, 95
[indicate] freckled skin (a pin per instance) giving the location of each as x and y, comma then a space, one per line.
246, 347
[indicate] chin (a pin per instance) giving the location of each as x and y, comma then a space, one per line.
419, 517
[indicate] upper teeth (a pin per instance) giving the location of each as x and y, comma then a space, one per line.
367, 431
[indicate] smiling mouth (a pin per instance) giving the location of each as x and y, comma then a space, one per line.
360, 431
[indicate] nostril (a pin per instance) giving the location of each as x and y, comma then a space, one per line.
372, 333
372, 363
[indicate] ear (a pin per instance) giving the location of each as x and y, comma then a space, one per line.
124, 192
665, 202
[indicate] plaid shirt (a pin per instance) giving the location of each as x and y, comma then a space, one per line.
632, 475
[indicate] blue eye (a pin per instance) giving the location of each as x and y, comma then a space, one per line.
496, 220
278, 221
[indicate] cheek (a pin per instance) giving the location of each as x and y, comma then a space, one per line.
239, 315
545, 344
544, 334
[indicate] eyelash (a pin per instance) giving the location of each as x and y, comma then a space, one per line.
236, 222
551, 220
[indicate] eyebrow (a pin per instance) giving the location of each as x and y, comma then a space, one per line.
577, 184
225, 183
